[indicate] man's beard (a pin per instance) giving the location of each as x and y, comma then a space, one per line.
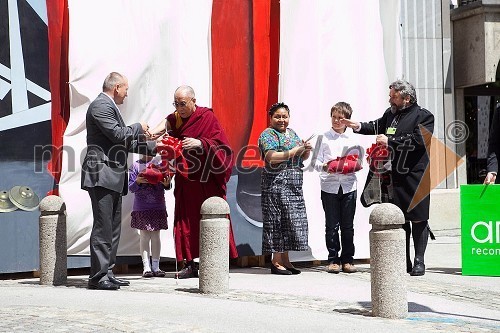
395, 109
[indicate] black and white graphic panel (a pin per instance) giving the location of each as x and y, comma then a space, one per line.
24, 78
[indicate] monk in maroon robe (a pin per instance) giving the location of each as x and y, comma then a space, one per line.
209, 164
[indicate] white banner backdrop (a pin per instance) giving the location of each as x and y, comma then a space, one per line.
158, 45
332, 51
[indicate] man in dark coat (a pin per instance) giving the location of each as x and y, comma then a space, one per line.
405, 129
493, 150
105, 177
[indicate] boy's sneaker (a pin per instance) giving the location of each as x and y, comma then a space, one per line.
333, 268
349, 268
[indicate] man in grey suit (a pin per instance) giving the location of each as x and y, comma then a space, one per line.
105, 176
493, 150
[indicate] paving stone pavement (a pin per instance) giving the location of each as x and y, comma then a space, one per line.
440, 301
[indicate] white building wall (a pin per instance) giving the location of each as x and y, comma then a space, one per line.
426, 48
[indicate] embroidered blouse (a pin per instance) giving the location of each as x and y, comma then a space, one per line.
271, 139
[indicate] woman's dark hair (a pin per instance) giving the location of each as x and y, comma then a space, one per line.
277, 106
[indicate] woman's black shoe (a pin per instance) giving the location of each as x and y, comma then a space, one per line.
293, 270
276, 270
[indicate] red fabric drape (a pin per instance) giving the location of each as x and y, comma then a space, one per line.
58, 29
245, 56
232, 69
274, 54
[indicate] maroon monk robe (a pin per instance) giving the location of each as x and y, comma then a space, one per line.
208, 174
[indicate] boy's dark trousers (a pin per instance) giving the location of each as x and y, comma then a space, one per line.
339, 214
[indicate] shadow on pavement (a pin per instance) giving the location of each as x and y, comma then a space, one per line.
189, 290
415, 307
71, 282
366, 310
251, 270
445, 270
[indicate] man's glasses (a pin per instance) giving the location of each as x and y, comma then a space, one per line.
180, 104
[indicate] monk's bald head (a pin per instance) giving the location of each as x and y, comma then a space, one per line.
186, 91
184, 101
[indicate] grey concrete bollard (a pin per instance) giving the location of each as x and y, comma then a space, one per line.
52, 234
388, 262
214, 246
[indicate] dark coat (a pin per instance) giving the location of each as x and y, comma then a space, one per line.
494, 145
109, 141
409, 158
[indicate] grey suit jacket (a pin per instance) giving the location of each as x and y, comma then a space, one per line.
109, 141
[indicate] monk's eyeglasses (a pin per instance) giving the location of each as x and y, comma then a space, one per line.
181, 104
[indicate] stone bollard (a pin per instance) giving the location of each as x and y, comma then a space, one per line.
388, 262
52, 234
214, 246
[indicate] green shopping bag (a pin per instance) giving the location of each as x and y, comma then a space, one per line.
480, 211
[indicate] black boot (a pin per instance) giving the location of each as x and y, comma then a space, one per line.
418, 268
420, 238
407, 230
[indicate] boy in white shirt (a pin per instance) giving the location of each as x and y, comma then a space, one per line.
339, 189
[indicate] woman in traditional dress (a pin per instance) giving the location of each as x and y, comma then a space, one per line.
283, 209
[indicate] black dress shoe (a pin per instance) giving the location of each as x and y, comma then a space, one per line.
418, 269
276, 270
293, 270
103, 285
118, 282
